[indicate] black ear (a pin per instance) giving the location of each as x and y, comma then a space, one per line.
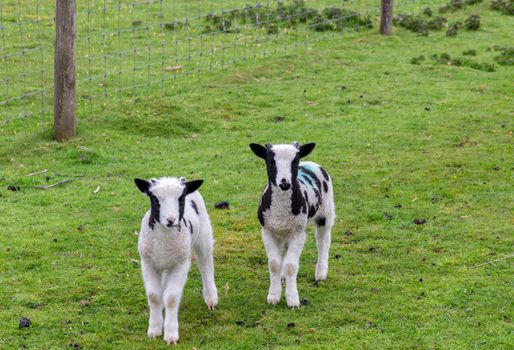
306, 149
143, 185
260, 151
193, 185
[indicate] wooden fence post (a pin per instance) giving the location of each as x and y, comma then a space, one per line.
64, 71
386, 18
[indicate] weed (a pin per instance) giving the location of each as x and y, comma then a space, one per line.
287, 16
413, 23
453, 29
418, 24
221, 24
417, 60
272, 28
455, 5
446, 59
175, 25
506, 57
437, 23
332, 12
472, 22
321, 24
470, 52
463, 62
504, 6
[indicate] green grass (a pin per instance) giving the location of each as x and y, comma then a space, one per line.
130, 45
436, 139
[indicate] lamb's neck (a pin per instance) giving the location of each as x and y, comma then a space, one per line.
280, 196
167, 231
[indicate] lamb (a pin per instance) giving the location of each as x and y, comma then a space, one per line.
296, 193
176, 224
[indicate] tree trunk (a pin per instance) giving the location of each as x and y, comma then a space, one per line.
386, 18
64, 70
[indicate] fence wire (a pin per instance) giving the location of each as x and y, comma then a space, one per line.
125, 47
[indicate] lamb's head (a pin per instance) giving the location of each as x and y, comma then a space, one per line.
167, 198
282, 161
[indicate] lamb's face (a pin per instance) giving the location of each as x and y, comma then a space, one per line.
282, 165
167, 198
282, 161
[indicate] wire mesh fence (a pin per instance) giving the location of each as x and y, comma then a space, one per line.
125, 47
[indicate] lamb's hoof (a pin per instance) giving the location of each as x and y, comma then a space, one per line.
171, 339
211, 305
293, 302
210, 296
154, 332
273, 299
321, 274
211, 302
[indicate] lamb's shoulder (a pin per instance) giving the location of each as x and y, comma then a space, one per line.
195, 212
145, 232
196, 204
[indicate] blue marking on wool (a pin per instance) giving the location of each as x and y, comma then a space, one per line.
303, 178
303, 175
314, 169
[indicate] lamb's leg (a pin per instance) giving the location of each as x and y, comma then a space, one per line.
273, 249
152, 280
323, 238
290, 265
205, 261
174, 286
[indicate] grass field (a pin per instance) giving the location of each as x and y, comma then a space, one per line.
435, 139
127, 47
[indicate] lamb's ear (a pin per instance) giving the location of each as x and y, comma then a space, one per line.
258, 150
143, 185
193, 185
306, 149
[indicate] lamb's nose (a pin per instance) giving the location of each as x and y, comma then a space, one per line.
171, 222
284, 185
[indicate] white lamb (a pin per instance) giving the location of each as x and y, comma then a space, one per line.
176, 223
296, 193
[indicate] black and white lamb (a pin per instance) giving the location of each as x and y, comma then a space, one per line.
176, 224
296, 193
